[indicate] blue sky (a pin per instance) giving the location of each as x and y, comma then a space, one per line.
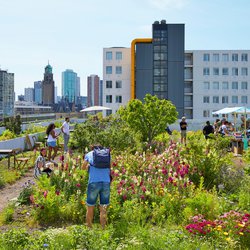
71, 34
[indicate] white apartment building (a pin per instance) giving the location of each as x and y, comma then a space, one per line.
215, 79
116, 77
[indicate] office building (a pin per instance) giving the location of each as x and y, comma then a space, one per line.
157, 65
38, 92
70, 86
48, 87
94, 90
29, 94
7, 96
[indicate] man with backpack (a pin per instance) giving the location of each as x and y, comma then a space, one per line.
97, 162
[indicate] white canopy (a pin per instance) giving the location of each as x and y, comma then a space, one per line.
238, 110
95, 108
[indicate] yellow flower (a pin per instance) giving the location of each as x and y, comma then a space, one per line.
83, 202
219, 227
241, 225
241, 233
225, 233
228, 239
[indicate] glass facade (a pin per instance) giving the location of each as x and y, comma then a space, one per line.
6, 94
160, 57
69, 86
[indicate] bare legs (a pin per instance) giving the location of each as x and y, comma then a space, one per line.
54, 154
90, 215
103, 215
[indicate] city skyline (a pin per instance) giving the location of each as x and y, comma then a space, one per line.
72, 35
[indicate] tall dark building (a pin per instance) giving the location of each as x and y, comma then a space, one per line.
158, 64
94, 91
48, 87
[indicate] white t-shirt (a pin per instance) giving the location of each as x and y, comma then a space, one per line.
65, 128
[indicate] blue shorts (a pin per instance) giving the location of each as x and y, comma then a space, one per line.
52, 144
95, 189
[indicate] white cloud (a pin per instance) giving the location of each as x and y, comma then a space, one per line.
164, 4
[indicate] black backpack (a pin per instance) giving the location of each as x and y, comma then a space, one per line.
101, 157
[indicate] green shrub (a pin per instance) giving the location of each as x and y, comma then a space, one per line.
244, 194
206, 158
203, 202
7, 214
7, 135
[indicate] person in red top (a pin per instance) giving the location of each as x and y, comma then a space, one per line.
183, 127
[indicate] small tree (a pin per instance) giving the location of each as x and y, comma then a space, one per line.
150, 117
13, 124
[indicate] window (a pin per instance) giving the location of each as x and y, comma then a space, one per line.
206, 72
206, 113
108, 70
243, 85
160, 72
206, 85
224, 85
215, 85
235, 99
118, 55
215, 71
206, 57
235, 57
118, 84
108, 112
108, 55
244, 72
234, 71
108, 98
108, 84
160, 87
225, 71
205, 99
234, 85
216, 57
244, 99
160, 56
224, 99
215, 99
225, 57
118, 99
244, 57
118, 69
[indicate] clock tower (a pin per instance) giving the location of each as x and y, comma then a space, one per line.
48, 87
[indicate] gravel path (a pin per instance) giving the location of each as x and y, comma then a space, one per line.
10, 192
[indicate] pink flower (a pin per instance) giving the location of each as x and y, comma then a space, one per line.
78, 185
45, 193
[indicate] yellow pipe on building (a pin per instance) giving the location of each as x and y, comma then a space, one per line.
133, 44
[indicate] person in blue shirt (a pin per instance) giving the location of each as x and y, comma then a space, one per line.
98, 186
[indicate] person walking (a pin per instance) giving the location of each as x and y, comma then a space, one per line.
183, 127
51, 141
208, 129
98, 186
65, 131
